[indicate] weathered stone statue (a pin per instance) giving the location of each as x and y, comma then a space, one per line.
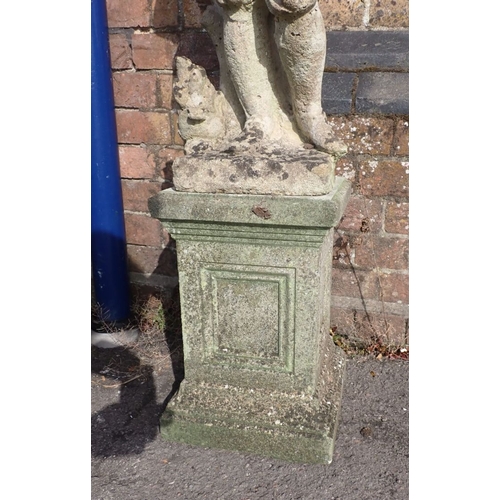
253, 207
271, 57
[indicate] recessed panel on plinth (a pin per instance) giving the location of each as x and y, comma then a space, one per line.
249, 316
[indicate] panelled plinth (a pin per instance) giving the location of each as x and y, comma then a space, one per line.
262, 374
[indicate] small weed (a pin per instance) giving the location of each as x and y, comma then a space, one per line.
356, 347
157, 317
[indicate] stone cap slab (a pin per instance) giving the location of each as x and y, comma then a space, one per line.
300, 211
288, 172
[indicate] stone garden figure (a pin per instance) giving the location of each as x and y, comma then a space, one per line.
271, 55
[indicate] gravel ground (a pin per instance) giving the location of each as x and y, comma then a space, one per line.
131, 461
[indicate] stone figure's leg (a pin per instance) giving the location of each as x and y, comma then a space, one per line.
248, 54
246, 44
212, 21
302, 45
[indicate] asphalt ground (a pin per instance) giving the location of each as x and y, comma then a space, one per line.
130, 460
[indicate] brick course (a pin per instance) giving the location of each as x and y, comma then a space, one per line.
120, 51
355, 283
164, 13
367, 326
154, 50
134, 90
128, 13
136, 194
365, 135
362, 214
401, 138
342, 13
136, 127
384, 178
396, 217
149, 260
389, 13
136, 162
165, 86
143, 230
394, 287
370, 251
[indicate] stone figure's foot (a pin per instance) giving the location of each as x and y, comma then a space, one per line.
261, 134
331, 146
320, 133
253, 134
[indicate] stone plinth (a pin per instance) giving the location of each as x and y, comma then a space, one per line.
262, 374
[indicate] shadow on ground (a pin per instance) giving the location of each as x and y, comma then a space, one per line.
125, 426
123, 376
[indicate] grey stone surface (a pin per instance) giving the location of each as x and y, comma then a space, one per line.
255, 289
337, 92
383, 93
362, 50
308, 212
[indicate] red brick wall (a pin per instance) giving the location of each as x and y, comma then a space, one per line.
370, 274
370, 267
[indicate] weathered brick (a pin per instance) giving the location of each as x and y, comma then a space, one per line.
120, 52
154, 50
143, 230
128, 13
136, 162
164, 13
384, 178
344, 167
395, 287
136, 127
136, 194
362, 214
134, 90
354, 283
401, 138
396, 218
364, 135
369, 327
198, 47
389, 13
165, 91
371, 251
149, 260
342, 13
